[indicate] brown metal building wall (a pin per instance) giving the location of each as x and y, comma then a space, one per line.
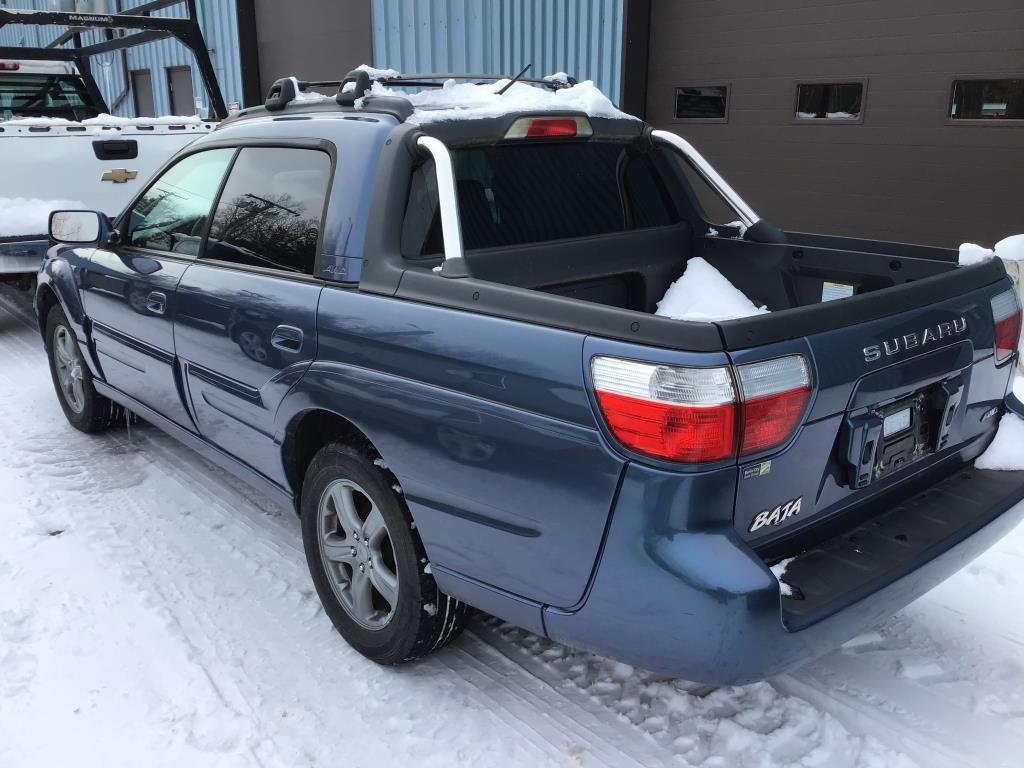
905, 173
313, 39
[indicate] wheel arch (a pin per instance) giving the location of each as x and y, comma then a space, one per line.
45, 300
310, 430
57, 285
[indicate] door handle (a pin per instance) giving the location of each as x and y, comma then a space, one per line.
156, 302
287, 338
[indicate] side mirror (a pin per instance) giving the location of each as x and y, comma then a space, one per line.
79, 227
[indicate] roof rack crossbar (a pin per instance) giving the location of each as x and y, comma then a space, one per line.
426, 79
357, 82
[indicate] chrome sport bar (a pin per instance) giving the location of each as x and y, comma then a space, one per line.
451, 227
704, 168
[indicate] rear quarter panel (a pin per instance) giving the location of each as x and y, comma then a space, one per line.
487, 426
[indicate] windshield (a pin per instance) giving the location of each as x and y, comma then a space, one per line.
63, 96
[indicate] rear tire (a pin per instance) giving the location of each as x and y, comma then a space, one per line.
84, 407
356, 529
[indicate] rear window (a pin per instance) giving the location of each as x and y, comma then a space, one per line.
25, 95
516, 194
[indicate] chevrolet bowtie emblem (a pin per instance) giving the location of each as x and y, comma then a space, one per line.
120, 176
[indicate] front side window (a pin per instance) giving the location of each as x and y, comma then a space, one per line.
706, 102
270, 210
988, 100
829, 101
172, 215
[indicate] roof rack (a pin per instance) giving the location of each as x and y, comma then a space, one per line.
284, 91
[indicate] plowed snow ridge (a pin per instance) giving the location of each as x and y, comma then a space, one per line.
155, 611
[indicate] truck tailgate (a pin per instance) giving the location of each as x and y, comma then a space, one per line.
895, 397
101, 167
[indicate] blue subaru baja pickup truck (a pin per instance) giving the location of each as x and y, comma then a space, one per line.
430, 327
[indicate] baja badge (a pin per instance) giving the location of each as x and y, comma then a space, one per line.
777, 515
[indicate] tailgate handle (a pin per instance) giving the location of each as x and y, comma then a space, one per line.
116, 149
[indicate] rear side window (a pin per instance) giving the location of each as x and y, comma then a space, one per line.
515, 194
270, 210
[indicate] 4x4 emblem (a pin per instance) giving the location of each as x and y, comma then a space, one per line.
120, 176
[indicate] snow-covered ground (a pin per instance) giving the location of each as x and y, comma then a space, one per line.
156, 612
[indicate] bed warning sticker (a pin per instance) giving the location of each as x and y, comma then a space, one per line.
833, 291
757, 470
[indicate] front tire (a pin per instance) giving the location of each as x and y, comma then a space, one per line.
368, 563
84, 407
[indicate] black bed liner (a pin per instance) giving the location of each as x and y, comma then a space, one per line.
841, 570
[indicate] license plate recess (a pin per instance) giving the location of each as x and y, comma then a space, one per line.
885, 438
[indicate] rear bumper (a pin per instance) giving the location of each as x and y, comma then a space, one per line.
695, 601
20, 257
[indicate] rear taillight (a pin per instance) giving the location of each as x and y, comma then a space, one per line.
775, 395
561, 127
9, 66
1006, 315
679, 414
696, 415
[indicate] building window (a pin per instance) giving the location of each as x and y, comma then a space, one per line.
142, 93
829, 101
705, 102
987, 100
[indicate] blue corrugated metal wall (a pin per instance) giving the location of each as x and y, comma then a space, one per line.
580, 37
219, 22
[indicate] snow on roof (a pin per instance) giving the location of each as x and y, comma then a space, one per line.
472, 101
378, 74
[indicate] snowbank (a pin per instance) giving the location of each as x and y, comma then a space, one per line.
470, 101
1007, 249
704, 294
25, 216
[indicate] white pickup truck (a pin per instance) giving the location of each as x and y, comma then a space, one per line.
58, 150
58, 146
